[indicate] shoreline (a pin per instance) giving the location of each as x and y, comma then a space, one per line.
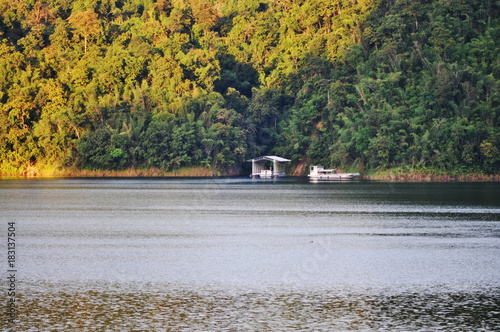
440, 178
429, 176
387, 175
125, 173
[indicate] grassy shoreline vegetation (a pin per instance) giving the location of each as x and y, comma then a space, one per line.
394, 89
404, 174
74, 172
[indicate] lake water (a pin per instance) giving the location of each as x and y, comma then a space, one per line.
235, 254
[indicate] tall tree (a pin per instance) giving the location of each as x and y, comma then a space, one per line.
86, 24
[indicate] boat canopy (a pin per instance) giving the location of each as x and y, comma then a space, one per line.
270, 158
259, 166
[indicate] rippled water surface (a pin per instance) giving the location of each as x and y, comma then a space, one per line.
237, 254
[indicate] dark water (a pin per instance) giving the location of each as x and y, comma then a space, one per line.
236, 254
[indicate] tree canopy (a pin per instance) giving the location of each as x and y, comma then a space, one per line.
362, 84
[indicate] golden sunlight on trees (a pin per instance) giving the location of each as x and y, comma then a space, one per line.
366, 84
86, 24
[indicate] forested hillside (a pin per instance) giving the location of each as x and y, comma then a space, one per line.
359, 84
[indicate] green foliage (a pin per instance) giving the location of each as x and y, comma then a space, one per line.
364, 84
95, 150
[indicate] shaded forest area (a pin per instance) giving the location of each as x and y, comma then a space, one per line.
358, 84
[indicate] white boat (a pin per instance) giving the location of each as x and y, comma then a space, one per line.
320, 173
266, 173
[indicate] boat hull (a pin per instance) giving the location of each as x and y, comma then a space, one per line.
338, 176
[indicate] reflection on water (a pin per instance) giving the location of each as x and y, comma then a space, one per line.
250, 255
174, 309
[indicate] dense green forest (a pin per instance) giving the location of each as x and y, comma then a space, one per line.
169, 84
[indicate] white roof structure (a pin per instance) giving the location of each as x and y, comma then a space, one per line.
271, 158
259, 166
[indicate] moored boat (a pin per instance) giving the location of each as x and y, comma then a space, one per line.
320, 173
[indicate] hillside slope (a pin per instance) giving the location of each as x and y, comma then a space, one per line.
367, 84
